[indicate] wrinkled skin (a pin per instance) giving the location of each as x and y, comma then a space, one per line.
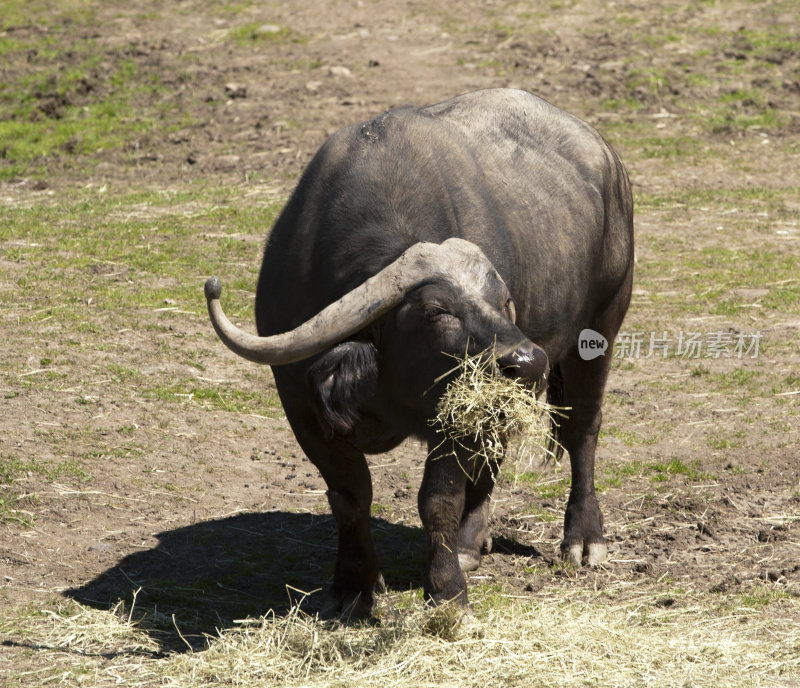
549, 205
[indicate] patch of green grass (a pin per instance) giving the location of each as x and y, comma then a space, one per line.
222, 398
124, 254
744, 68
616, 475
50, 16
541, 514
377, 509
754, 198
742, 385
82, 98
626, 20
705, 280
12, 468
619, 105
544, 487
254, 33
628, 437
662, 471
15, 504
737, 380
656, 471
790, 383
100, 269
653, 80
766, 43
11, 511
501, 30
494, 65
74, 112
488, 596
755, 597
700, 80
623, 470
670, 147
122, 374
660, 39
724, 443
739, 115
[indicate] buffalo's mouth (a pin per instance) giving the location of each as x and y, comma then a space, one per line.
488, 404
525, 365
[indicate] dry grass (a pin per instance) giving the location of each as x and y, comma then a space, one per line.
483, 413
561, 638
69, 644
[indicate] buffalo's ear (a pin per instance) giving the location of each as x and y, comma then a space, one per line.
340, 381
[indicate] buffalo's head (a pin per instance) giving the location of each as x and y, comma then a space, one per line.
399, 331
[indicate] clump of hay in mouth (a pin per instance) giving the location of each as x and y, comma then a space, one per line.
483, 412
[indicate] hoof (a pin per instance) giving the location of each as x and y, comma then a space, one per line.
455, 593
347, 606
592, 554
380, 585
470, 558
351, 604
469, 561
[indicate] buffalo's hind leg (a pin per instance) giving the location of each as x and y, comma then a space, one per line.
357, 576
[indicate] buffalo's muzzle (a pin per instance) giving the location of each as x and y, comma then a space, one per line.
528, 363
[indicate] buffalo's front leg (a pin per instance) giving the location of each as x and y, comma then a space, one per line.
357, 576
474, 536
583, 522
583, 382
441, 507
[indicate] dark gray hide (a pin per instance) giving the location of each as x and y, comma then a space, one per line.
549, 204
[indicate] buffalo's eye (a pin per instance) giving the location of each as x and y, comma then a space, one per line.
510, 310
436, 312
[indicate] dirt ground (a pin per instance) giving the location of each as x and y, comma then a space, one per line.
211, 514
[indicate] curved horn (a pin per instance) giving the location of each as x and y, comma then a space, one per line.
354, 311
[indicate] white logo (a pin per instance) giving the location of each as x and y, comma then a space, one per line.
591, 344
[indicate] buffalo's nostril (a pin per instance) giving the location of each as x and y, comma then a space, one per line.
517, 364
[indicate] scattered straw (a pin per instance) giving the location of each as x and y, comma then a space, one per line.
561, 638
483, 413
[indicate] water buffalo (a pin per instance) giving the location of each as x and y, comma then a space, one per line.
491, 219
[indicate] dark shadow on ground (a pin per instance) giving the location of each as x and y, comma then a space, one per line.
510, 546
201, 578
